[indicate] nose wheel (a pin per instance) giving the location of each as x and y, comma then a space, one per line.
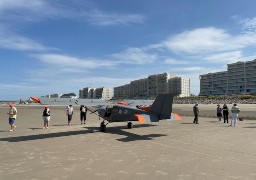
129, 125
103, 126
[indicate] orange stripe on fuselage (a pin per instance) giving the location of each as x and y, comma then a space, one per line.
139, 118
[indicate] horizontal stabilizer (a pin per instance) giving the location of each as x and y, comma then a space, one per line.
174, 117
146, 118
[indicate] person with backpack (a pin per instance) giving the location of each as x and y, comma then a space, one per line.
83, 112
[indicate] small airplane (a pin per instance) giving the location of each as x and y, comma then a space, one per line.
120, 112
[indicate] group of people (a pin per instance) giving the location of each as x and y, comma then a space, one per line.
47, 115
221, 112
69, 113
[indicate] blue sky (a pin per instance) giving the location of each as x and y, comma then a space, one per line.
60, 46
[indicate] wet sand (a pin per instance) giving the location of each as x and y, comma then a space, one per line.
165, 150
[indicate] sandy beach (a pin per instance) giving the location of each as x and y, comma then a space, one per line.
165, 150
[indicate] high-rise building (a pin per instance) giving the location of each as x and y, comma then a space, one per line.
96, 93
179, 86
103, 93
240, 78
213, 83
152, 86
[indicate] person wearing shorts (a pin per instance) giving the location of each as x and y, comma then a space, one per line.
12, 116
219, 112
69, 112
46, 117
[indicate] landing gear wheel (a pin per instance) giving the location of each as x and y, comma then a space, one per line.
102, 127
129, 125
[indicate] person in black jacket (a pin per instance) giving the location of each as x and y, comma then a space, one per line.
46, 117
196, 113
83, 111
225, 111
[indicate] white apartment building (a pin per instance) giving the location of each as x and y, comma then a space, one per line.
154, 85
179, 86
90, 93
240, 78
213, 83
84, 93
96, 93
158, 84
103, 93
138, 88
122, 92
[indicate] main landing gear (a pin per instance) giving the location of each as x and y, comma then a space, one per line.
103, 126
129, 125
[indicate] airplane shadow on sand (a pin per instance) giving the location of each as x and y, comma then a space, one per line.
44, 136
119, 130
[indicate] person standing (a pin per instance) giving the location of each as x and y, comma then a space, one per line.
83, 112
69, 112
46, 117
235, 111
196, 113
219, 112
225, 111
12, 116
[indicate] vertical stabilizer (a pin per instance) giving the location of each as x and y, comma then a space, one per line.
162, 106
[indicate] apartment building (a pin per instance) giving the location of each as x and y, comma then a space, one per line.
90, 93
85, 93
152, 86
122, 92
213, 83
179, 86
96, 93
240, 78
103, 93
138, 88
158, 84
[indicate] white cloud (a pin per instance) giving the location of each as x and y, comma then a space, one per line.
227, 57
249, 25
175, 62
135, 56
10, 40
37, 10
73, 63
202, 40
21, 4
105, 19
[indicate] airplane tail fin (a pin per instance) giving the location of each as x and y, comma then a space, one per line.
162, 106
